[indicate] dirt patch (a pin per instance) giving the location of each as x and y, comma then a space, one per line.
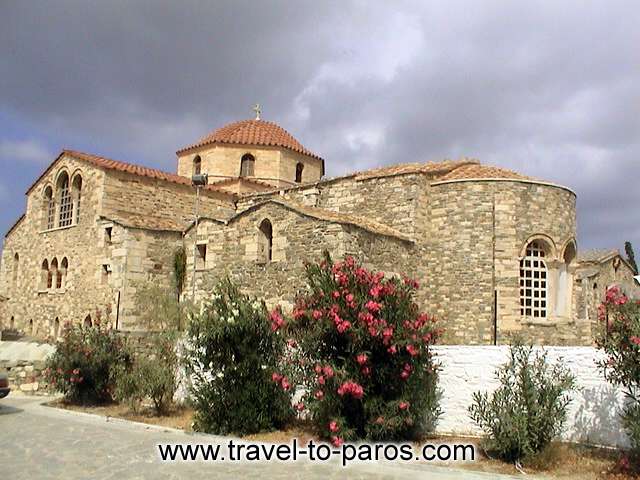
562, 460
177, 417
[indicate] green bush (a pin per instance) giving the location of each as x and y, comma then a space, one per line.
85, 363
528, 409
619, 340
231, 353
152, 377
362, 352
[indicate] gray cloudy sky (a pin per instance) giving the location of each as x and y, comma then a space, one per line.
550, 89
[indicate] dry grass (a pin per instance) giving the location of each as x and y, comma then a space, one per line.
561, 460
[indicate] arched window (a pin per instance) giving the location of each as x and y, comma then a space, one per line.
49, 206
76, 186
64, 198
62, 274
247, 165
45, 276
53, 273
197, 165
87, 321
299, 169
534, 281
56, 328
12, 323
266, 241
31, 331
16, 269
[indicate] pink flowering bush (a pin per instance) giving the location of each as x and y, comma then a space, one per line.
362, 351
86, 362
619, 339
232, 352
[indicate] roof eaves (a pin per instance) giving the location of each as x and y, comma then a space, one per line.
15, 224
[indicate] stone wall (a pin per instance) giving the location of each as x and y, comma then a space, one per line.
24, 363
478, 224
593, 413
233, 250
32, 305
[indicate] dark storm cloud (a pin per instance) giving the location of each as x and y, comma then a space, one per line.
547, 88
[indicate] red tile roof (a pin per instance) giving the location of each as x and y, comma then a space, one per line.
478, 171
252, 132
133, 169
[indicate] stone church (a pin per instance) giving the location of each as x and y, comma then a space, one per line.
495, 251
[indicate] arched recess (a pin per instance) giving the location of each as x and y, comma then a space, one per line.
197, 165
87, 321
564, 290
265, 244
31, 330
547, 242
63, 196
76, 188
62, 273
48, 209
53, 273
44, 275
56, 328
16, 269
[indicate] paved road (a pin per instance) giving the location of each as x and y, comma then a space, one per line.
39, 442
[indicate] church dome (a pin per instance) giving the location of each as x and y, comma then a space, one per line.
252, 132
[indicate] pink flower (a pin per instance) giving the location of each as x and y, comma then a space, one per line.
375, 291
276, 377
276, 320
76, 371
349, 261
379, 420
298, 313
412, 350
362, 358
372, 306
349, 297
321, 380
366, 371
319, 394
635, 340
403, 405
351, 388
404, 375
317, 314
343, 326
333, 426
392, 350
328, 371
300, 406
336, 294
337, 441
317, 369
285, 384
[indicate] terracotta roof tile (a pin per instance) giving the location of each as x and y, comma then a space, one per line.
476, 171
335, 217
148, 222
109, 164
252, 132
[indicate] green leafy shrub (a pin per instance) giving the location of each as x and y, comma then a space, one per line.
231, 353
152, 377
360, 348
619, 340
528, 409
85, 363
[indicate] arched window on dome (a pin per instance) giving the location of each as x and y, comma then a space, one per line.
65, 216
197, 165
299, 169
534, 281
265, 245
247, 165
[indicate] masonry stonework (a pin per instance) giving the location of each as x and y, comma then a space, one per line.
495, 252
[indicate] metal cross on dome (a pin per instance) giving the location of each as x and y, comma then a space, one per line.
258, 111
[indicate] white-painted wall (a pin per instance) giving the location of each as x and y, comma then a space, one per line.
593, 416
